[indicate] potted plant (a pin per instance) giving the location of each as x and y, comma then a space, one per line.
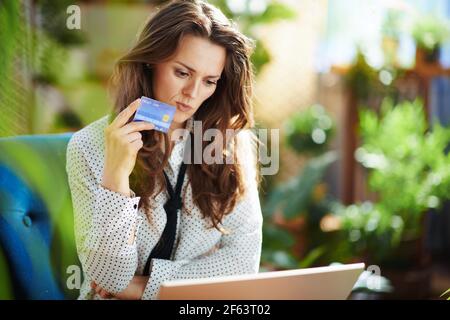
309, 131
361, 78
293, 209
408, 169
429, 33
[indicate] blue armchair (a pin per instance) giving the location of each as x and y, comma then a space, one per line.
38, 257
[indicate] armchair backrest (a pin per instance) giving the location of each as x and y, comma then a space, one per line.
37, 247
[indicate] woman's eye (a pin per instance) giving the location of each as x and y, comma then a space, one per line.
211, 83
181, 73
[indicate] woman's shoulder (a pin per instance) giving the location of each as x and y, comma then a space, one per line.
247, 148
88, 143
91, 136
246, 140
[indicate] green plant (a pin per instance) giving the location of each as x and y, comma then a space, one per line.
53, 17
302, 201
305, 193
309, 131
11, 88
293, 197
249, 15
303, 198
408, 169
31, 55
361, 77
430, 32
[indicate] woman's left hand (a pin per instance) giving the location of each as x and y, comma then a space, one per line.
134, 291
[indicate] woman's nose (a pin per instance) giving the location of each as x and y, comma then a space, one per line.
191, 89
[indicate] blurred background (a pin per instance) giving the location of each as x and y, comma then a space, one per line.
361, 91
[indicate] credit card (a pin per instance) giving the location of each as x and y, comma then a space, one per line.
156, 112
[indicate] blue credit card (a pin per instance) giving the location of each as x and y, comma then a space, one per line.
156, 112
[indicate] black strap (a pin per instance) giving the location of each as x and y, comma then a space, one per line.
163, 249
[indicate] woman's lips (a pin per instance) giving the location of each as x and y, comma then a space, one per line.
183, 107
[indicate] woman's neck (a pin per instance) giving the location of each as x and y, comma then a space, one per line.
174, 126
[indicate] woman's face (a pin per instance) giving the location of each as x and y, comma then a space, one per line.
189, 77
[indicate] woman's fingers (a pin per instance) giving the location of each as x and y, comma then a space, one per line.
104, 294
136, 145
125, 114
101, 292
134, 136
136, 126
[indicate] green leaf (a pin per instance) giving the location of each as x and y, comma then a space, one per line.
276, 238
312, 256
260, 56
275, 11
280, 259
9, 32
293, 197
313, 172
407, 167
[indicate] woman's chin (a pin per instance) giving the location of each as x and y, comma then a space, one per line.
180, 119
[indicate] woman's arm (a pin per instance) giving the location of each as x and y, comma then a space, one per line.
106, 217
105, 223
239, 251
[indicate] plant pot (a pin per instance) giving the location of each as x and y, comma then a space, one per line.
414, 283
409, 271
426, 57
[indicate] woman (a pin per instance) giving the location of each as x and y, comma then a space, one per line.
142, 214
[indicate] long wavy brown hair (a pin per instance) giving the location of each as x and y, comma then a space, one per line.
216, 188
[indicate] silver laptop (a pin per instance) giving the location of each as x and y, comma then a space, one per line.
322, 283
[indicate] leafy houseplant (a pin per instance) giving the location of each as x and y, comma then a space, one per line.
309, 131
409, 170
293, 209
429, 33
251, 14
361, 79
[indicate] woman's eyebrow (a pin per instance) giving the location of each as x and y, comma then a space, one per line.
192, 70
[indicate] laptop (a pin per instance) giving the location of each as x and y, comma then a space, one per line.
333, 282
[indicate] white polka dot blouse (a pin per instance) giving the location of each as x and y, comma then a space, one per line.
114, 237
